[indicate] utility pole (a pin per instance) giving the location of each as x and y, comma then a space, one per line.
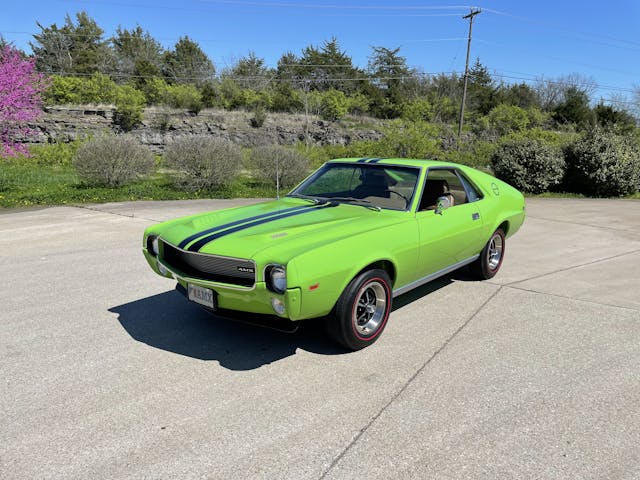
470, 16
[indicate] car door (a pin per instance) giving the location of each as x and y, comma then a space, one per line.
450, 235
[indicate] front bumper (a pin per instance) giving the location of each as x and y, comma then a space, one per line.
256, 299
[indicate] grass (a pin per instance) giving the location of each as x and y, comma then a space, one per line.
23, 185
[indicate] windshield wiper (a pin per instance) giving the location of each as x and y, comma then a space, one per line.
356, 201
315, 200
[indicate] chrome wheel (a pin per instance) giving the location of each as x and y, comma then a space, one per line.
370, 308
494, 252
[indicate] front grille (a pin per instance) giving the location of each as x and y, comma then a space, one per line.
234, 271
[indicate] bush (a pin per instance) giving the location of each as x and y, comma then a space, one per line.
529, 165
334, 105
98, 88
406, 139
279, 164
112, 160
130, 104
184, 96
505, 119
418, 110
58, 153
202, 162
603, 164
259, 116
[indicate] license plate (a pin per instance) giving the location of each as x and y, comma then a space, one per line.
201, 295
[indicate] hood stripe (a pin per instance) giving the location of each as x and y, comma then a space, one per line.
196, 246
195, 236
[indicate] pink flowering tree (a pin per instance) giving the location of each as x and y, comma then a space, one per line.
20, 101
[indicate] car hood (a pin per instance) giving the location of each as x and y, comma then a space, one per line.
278, 229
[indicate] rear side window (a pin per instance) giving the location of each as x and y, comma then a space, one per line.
472, 193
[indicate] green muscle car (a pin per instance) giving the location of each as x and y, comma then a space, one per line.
341, 245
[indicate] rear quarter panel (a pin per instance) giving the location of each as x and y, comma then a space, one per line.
501, 203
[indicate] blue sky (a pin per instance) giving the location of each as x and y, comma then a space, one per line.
518, 40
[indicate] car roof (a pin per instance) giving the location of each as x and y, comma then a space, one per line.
408, 162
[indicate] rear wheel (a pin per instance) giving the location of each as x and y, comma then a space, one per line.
490, 260
362, 310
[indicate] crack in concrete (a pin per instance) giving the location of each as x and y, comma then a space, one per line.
566, 297
565, 269
386, 406
93, 209
581, 224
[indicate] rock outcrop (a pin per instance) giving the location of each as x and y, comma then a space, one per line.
160, 126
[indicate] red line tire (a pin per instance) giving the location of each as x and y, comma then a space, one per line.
362, 310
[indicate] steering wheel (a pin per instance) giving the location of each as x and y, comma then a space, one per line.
406, 200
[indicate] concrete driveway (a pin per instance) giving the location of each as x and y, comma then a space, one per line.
106, 372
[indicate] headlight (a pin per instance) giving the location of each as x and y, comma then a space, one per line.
277, 279
152, 245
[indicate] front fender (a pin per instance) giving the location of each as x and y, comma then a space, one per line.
323, 273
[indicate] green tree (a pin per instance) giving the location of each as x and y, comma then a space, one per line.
138, 55
187, 63
334, 105
323, 68
389, 72
574, 109
250, 72
521, 95
482, 90
75, 48
609, 117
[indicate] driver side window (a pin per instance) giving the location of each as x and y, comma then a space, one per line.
443, 185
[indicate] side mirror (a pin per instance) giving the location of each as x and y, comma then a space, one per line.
443, 204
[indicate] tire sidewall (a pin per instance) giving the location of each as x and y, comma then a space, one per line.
345, 308
487, 271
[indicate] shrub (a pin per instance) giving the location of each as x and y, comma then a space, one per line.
603, 164
357, 103
112, 160
504, 119
259, 116
184, 96
98, 88
476, 154
130, 104
58, 153
407, 139
202, 162
529, 165
418, 110
278, 164
334, 105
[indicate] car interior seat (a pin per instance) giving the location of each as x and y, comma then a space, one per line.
433, 190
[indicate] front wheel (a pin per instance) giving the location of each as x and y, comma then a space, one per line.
490, 260
362, 310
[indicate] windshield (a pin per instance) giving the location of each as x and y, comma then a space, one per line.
383, 186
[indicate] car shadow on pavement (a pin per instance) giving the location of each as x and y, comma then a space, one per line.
168, 321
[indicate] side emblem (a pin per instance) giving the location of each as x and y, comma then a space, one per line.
496, 190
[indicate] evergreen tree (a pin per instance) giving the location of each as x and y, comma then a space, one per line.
138, 54
390, 73
187, 63
75, 48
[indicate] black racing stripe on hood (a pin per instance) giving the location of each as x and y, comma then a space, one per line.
196, 246
195, 236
